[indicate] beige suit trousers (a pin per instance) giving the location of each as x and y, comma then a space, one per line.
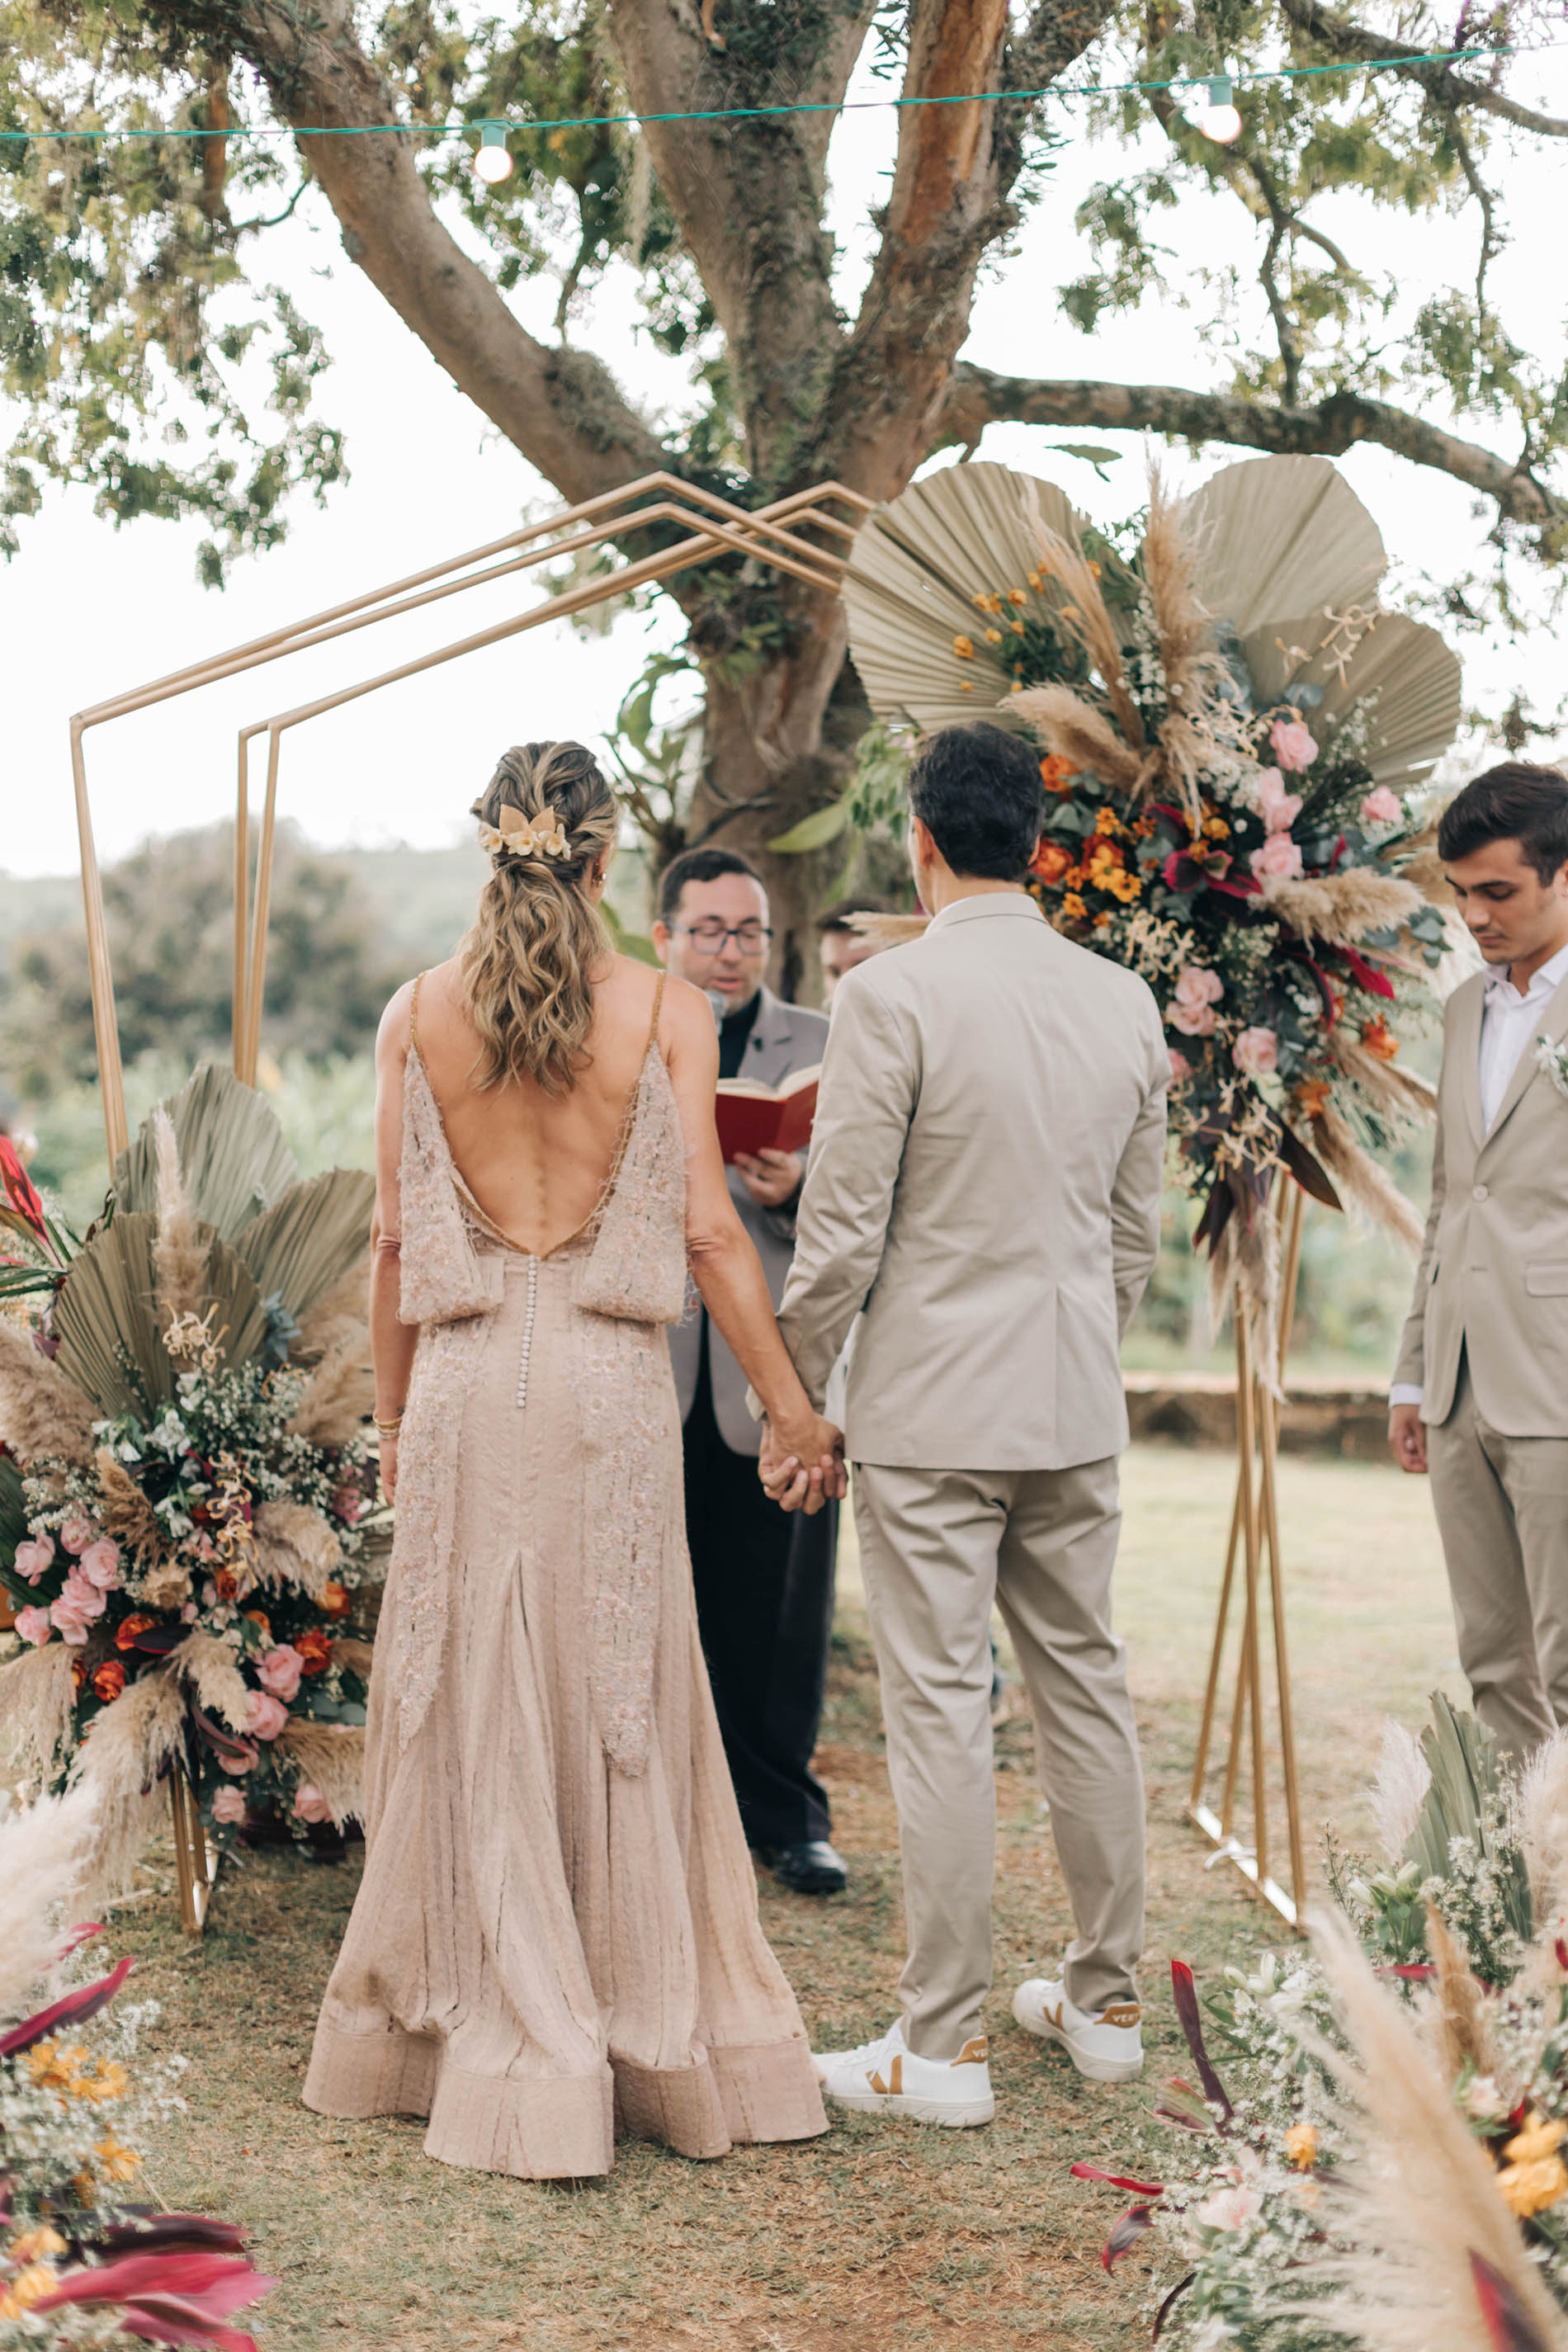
936, 1548
1503, 1513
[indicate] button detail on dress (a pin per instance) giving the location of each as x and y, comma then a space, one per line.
530, 1311
1480, 1193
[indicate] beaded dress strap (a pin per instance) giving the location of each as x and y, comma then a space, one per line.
414, 1014
657, 1009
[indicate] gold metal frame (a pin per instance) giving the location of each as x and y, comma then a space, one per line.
770, 535
1254, 1528
714, 527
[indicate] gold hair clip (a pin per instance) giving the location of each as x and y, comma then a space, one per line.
516, 835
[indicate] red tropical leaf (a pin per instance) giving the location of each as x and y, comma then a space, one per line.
1376, 983
1134, 2224
17, 1193
74, 2010
1169, 2304
1116, 2181
193, 2286
168, 2233
1183, 1992
1561, 1949
1507, 2323
175, 2322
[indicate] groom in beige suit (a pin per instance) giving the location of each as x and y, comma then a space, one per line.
985, 1183
1481, 1390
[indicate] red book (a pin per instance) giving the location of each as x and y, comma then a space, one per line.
753, 1117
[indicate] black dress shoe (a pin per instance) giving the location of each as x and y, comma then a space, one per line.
810, 1869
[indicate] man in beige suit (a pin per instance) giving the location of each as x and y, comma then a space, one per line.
984, 1182
1481, 1390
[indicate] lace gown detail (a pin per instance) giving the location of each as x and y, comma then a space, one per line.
556, 1937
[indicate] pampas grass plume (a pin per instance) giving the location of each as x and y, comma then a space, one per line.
1076, 732
42, 1415
126, 1751
331, 1755
37, 1696
295, 1544
1399, 1789
1360, 1177
209, 1665
179, 1252
43, 1849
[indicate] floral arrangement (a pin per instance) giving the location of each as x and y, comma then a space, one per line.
82, 2262
1377, 2144
187, 1501
1230, 808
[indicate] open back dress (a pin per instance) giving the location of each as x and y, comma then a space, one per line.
557, 1936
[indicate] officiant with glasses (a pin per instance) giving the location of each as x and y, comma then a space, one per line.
763, 1581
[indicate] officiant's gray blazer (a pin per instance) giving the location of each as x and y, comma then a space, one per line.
984, 1181
785, 1038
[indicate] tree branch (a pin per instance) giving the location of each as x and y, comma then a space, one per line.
559, 408
1444, 82
978, 398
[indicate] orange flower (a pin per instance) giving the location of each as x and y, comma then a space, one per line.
1311, 1098
109, 1680
964, 648
1057, 773
993, 636
29, 2286
115, 2162
1102, 921
227, 1582
1107, 821
79, 1671
131, 1629
1301, 2146
263, 1625
1073, 908
315, 1648
1017, 597
1374, 1036
336, 1600
966, 686
1051, 862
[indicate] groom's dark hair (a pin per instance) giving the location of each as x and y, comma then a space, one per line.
1516, 801
978, 793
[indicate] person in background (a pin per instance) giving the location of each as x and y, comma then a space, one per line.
764, 1582
840, 946
1480, 1392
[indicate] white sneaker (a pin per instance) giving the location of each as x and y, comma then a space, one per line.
1107, 2045
885, 2077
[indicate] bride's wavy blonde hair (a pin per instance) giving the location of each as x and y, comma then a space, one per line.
527, 967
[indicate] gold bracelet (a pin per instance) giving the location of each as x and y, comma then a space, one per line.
387, 1428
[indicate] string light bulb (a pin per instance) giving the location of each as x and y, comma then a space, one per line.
1219, 119
492, 159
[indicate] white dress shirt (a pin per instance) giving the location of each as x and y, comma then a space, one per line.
1509, 1023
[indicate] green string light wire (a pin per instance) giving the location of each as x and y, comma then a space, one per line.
826, 106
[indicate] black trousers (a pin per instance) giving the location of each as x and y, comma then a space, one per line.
764, 1609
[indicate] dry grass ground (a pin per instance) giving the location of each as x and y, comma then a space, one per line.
900, 2238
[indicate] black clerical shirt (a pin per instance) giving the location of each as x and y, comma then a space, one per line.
734, 1033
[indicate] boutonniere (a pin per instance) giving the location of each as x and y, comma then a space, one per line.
1554, 1060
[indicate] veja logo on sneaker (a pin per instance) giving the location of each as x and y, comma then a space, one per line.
893, 2087
1120, 2012
975, 2052
1052, 2016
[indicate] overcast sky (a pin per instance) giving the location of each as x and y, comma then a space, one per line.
86, 612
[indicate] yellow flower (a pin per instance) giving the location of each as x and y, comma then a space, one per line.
29, 2287
966, 686
1094, 571
1536, 2141
56, 2067
964, 648
1016, 686
1017, 597
987, 604
993, 636
1069, 613
1527, 2188
1016, 628
1216, 828
1073, 908
1037, 581
36, 2246
109, 2080
1301, 2146
1125, 887
1107, 821
117, 2163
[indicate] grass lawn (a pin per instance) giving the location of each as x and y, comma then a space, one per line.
879, 2236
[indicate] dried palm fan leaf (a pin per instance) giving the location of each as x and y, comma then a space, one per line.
915, 571
42, 1850
890, 930
310, 1239
131, 1745
1084, 613
1276, 535
1406, 679
109, 1327
180, 1251
1399, 1789
1362, 1182
1425, 2196
1340, 909
332, 1756
231, 1149
1075, 730
42, 1414
296, 1545
37, 1694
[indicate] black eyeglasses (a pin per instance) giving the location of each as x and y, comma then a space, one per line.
712, 938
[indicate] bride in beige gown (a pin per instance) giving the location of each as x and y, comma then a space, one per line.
556, 1937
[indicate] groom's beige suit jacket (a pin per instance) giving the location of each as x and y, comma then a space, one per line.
1492, 1282
985, 1183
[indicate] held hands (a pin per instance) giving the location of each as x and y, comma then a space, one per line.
1408, 1438
803, 1467
770, 1178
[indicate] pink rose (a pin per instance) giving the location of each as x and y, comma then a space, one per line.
228, 1805
33, 1625
278, 1670
238, 1763
1293, 746
1278, 855
266, 1716
1198, 990
1256, 1051
68, 1621
99, 1563
1383, 807
1180, 1066
33, 1558
78, 1605
1228, 2209
348, 1503
309, 1804
77, 1534
1279, 808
